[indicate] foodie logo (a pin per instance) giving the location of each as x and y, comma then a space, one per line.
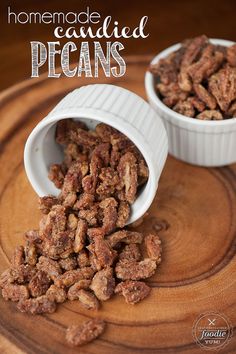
212, 331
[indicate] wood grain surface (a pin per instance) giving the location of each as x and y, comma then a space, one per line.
194, 211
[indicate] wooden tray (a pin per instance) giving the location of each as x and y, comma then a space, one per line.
195, 211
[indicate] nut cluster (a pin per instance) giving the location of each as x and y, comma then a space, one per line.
81, 250
198, 80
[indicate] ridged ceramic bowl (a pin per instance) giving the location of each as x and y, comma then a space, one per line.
205, 143
93, 104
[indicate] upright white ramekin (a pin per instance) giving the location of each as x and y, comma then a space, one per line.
206, 143
92, 104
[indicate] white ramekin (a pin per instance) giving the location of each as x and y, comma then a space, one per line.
205, 143
112, 105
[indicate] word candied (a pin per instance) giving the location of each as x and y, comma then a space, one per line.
46, 55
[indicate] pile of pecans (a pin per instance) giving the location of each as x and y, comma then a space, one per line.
82, 250
198, 80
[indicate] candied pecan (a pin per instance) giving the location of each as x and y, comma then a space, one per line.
62, 131
7, 277
231, 55
105, 132
56, 294
90, 330
223, 86
130, 270
115, 157
103, 152
79, 285
72, 152
56, 175
123, 214
153, 247
50, 267
127, 169
32, 236
232, 110
193, 49
133, 291
37, 305
170, 101
84, 201
39, 284
222, 49
69, 263
30, 251
70, 277
205, 96
109, 180
143, 172
109, 207
72, 222
70, 199
102, 251
80, 235
95, 233
95, 264
90, 215
103, 284
197, 103
83, 259
124, 236
73, 178
210, 115
89, 183
18, 257
55, 222
23, 273
87, 299
83, 137
130, 252
15, 292
120, 195
172, 93
165, 69
64, 128
185, 108
209, 62
60, 245
46, 203
184, 81
120, 142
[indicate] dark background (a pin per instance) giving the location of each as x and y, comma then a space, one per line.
169, 22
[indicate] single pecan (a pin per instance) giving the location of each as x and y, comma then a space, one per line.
127, 169
56, 294
153, 247
15, 292
39, 284
133, 291
103, 284
37, 305
73, 290
90, 330
131, 270
211, 114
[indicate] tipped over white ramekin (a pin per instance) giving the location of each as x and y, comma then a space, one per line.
205, 143
110, 104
